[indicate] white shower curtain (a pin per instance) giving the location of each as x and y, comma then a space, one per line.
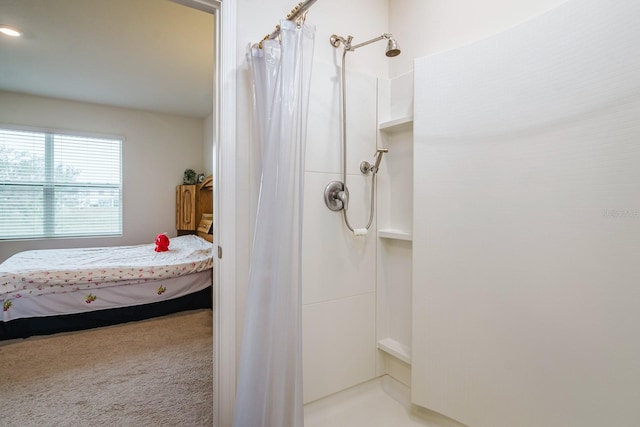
269, 391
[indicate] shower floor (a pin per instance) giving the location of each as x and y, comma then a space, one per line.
381, 402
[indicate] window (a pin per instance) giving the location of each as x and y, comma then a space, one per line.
56, 185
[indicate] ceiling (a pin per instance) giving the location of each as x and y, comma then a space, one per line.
152, 55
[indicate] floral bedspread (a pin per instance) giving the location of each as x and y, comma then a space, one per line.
39, 272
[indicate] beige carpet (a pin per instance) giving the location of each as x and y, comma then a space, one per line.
155, 372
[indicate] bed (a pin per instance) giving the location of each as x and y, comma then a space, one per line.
54, 290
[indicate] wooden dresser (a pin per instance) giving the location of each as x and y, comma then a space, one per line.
192, 201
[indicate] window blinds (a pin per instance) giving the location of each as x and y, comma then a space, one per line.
55, 185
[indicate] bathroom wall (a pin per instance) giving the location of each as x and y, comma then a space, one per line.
339, 270
548, 298
425, 27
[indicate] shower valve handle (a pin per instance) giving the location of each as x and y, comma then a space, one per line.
344, 198
336, 196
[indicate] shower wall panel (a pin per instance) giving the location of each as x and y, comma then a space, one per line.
338, 269
527, 223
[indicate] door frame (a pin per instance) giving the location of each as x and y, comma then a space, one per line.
224, 301
224, 190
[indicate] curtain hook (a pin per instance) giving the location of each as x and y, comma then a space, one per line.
263, 39
260, 44
279, 33
302, 19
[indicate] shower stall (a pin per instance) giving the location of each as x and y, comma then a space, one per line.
497, 271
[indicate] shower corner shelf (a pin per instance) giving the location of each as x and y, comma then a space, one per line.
399, 124
392, 233
396, 349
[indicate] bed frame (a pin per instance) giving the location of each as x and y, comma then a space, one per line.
23, 328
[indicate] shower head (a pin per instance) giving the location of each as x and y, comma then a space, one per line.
392, 48
392, 45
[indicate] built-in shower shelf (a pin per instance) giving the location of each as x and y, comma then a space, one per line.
396, 349
392, 233
395, 125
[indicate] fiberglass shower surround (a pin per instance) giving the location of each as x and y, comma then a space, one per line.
336, 194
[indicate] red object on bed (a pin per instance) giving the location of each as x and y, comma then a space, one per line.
162, 243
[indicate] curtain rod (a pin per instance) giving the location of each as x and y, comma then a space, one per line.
296, 13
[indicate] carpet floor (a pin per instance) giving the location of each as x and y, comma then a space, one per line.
156, 372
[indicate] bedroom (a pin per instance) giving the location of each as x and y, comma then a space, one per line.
150, 82
136, 71
148, 86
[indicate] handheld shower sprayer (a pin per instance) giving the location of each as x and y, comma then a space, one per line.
366, 167
379, 153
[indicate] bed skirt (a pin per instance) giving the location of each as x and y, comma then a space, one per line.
26, 327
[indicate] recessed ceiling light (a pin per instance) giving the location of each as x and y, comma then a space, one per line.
9, 31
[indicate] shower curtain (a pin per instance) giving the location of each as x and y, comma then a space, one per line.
269, 391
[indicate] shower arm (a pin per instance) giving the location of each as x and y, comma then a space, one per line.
336, 40
384, 36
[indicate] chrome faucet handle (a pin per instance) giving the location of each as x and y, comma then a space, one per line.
344, 198
336, 196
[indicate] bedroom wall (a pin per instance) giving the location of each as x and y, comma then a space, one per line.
338, 270
207, 145
156, 151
